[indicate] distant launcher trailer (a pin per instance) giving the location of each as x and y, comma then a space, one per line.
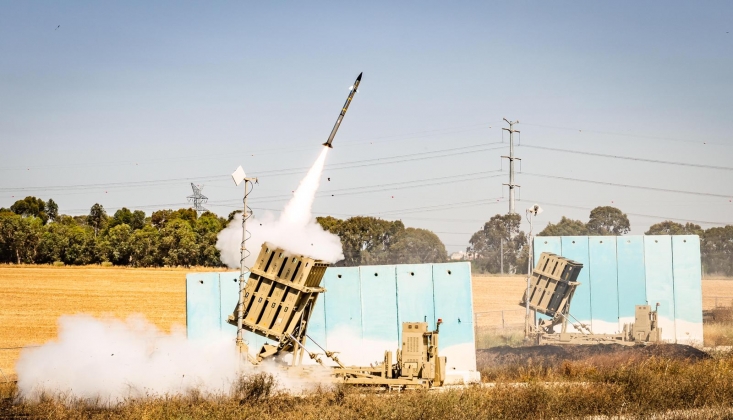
552, 285
277, 303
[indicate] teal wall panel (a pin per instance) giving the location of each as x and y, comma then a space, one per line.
203, 314
360, 313
379, 303
317, 325
660, 281
552, 244
648, 270
631, 276
603, 275
687, 272
576, 249
415, 294
342, 302
453, 303
229, 296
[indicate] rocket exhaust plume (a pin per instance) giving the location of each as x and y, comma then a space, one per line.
295, 231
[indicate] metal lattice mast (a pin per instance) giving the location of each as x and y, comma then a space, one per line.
239, 176
244, 253
511, 158
197, 198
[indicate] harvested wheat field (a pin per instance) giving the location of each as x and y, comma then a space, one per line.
33, 297
717, 291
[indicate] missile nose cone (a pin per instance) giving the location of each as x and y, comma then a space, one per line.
359, 78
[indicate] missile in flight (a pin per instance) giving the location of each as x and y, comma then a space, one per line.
343, 112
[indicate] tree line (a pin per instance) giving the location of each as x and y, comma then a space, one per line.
32, 231
501, 235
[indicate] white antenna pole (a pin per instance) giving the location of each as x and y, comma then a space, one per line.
238, 176
243, 269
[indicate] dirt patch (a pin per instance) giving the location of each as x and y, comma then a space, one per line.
550, 356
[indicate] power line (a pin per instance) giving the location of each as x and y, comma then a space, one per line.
562, 178
666, 162
286, 171
390, 138
440, 206
379, 188
627, 135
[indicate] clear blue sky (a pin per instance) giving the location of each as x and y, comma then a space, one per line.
126, 94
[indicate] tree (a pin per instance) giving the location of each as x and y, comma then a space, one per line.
145, 247
97, 218
365, 240
122, 216
178, 244
608, 221
31, 206
82, 247
52, 209
54, 241
669, 227
486, 244
565, 227
234, 213
717, 250
138, 220
19, 237
417, 246
161, 217
207, 228
118, 244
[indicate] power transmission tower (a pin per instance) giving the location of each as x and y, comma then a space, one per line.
197, 198
511, 158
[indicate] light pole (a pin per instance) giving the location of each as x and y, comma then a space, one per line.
239, 176
532, 212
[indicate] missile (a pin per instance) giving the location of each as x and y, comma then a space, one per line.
343, 112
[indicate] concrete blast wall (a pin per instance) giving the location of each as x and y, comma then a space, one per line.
362, 310
621, 272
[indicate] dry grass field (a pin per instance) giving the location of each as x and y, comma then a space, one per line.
33, 297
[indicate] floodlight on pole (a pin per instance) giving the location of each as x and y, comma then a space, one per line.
532, 212
240, 176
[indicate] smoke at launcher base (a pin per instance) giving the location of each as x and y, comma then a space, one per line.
295, 231
111, 359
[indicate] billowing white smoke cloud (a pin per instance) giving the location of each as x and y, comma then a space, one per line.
109, 360
114, 359
296, 231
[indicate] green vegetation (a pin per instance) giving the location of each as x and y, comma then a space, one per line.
370, 241
500, 233
33, 232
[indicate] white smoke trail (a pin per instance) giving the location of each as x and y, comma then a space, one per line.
295, 231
